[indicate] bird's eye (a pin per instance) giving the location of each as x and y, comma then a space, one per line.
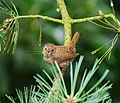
52, 50
45, 48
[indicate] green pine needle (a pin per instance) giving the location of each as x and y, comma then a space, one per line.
9, 26
47, 94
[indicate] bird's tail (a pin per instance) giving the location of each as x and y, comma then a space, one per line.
74, 41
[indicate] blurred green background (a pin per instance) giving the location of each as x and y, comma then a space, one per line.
17, 70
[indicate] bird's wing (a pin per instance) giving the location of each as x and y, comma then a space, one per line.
62, 53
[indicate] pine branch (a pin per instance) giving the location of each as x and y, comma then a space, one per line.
67, 21
41, 94
39, 16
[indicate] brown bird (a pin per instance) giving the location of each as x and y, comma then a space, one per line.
63, 55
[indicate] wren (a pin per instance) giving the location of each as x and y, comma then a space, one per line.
63, 55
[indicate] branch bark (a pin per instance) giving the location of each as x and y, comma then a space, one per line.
39, 16
66, 21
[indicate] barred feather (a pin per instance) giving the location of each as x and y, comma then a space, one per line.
74, 41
